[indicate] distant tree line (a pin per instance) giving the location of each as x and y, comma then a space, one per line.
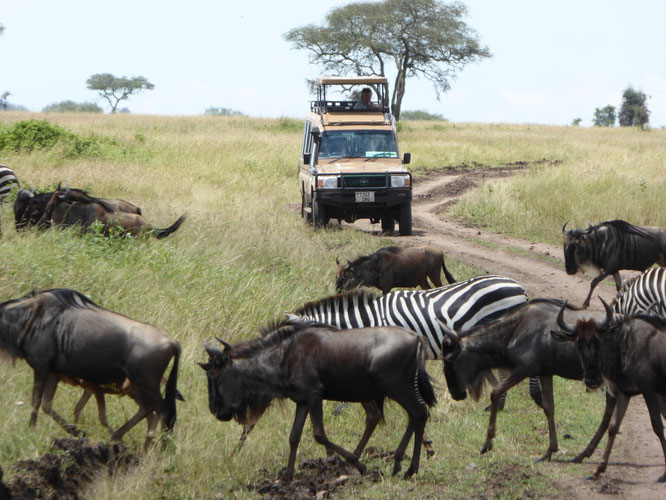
633, 112
422, 115
222, 112
72, 107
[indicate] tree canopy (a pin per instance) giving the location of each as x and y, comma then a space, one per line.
634, 111
604, 117
418, 38
115, 89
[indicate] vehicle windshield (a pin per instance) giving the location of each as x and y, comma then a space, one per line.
358, 144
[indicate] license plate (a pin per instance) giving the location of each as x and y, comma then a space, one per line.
365, 196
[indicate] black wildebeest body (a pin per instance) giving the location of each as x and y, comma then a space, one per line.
29, 206
521, 343
603, 250
392, 267
68, 208
308, 362
631, 356
62, 332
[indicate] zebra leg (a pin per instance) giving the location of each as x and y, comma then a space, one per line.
492, 380
339, 410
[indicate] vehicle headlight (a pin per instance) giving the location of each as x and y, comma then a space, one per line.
400, 181
327, 181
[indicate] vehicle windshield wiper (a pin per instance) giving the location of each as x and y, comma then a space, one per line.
345, 157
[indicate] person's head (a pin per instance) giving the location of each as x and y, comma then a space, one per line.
366, 95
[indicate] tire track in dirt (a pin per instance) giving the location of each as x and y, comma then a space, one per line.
636, 460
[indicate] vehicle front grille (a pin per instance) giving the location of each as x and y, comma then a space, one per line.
364, 181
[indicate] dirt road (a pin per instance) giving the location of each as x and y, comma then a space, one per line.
637, 460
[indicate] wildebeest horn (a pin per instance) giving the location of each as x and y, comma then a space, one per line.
337, 261
226, 345
212, 351
565, 225
561, 323
609, 315
23, 194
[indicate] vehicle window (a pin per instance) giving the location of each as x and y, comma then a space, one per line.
358, 144
307, 138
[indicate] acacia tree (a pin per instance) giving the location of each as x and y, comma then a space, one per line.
425, 38
115, 89
604, 117
634, 111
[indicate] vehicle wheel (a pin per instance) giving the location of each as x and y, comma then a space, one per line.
388, 224
319, 218
307, 216
405, 219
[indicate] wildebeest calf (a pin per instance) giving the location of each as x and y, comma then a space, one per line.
308, 362
392, 267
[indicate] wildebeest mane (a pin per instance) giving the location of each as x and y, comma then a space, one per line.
624, 228
273, 334
79, 195
67, 297
359, 293
373, 258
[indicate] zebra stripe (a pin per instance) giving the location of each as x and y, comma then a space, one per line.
639, 293
460, 306
7, 181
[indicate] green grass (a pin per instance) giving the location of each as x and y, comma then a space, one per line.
243, 258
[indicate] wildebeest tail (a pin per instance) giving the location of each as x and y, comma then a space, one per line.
163, 233
171, 391
447, 274
424, 389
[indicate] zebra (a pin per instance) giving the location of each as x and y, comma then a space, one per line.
460, 306
639, 293
7, 180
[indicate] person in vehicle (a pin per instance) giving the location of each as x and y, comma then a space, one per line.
366, 100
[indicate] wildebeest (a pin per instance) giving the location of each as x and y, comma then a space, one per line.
610, 246
70, 208
62, 332
308, 362
29, 205
631, 355
392, 267
520, 342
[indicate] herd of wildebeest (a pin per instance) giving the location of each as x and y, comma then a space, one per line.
359, 345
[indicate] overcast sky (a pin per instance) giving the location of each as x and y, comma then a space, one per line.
553, 61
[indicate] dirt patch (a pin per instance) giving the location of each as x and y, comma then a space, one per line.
316, 478
65, 470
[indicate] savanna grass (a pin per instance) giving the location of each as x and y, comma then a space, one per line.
243, 258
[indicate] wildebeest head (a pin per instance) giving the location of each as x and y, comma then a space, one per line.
29, 207
575, 247
457, 374
363, 271
585, 334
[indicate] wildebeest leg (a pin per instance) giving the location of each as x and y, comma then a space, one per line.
418, 415
373, 415
594, 283
652, 402
143, 412
621, 403
608, 412
549, 410
152, 420
83, 401
37, 391
618, 280
246, 430
317, 419
295, 438
50, 386
101, 407
506, 384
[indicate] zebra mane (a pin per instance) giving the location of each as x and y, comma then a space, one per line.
273, 334
625, 228
340, 298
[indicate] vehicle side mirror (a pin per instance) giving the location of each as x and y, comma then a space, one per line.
306, 158
407, 158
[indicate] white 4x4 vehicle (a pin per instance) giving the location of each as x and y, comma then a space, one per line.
350, 166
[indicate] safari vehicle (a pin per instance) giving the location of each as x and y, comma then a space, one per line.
350, 166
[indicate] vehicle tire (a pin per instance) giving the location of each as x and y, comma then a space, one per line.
405, 219
319, 218
307, 216
388, 224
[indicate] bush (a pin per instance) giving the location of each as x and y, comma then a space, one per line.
72, 107
421, 115
29, 135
